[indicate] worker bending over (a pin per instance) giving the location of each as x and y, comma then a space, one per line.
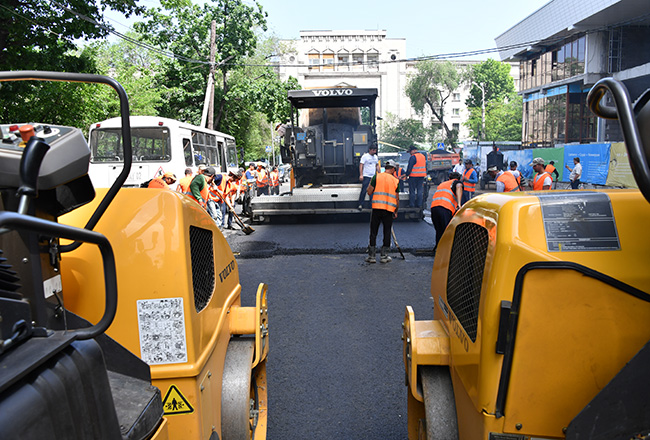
383, 190
446, 201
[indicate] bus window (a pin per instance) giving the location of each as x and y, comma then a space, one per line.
231, 150
151, 144
222, 159
187, 152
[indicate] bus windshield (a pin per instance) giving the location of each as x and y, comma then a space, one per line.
150, 144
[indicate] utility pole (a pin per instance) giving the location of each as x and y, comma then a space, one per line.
213, 49
482, 87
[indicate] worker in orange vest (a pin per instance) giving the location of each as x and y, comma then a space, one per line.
542, 179
230, 192
262, 180
446, 201
506, 181
550, 169
184, 183
199, 190
469, 179
416, 172
163, 181
383, 190
274, 180
399, 174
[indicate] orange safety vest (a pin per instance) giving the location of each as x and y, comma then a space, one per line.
158, 182
469, 186
549, 169
275, 178
204, 191
262, 178
420, 167
221, 188
385, 194
184, 184
398, 172
445, 197
538, 184
509, 181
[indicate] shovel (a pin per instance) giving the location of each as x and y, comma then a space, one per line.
247, 229
392, 231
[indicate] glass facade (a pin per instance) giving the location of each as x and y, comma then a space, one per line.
556, 114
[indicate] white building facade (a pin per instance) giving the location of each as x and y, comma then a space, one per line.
367, 59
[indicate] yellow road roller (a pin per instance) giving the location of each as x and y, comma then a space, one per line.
541, 304
121, 308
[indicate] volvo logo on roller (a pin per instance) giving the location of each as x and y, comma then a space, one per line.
333, 92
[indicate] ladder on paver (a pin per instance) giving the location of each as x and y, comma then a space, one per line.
615, 50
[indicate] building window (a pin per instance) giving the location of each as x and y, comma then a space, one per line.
373, 62
455, 112
456, 97
342, 61
314, 61
455, 127
328, 61
357, 61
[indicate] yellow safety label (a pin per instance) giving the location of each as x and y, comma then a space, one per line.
175, 403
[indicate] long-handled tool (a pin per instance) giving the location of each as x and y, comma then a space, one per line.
392, 231
247, 229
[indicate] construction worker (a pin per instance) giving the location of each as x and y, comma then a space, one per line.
184, 183
383, 190
399, 174
550, 169
515, 172
163, 181
198, 189
542, 179
368, 167
446, 201
469, 179
506, 181
251, 176
416, 172
262, 180
274, 180
230, 191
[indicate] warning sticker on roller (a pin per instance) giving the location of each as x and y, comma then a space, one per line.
580, 221
175, 403
162, 331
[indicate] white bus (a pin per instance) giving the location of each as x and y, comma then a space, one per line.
160, 145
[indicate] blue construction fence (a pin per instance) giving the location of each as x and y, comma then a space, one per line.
602, 163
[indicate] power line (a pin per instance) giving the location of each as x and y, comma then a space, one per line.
172, 55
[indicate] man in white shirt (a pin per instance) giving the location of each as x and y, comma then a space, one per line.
576, 173
368, 167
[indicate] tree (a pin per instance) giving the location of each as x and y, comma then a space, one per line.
502, 121
43, 35
430, 87
134, 68
183, 28
493, 87
494, 76
402, 132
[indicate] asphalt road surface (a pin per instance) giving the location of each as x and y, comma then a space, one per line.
335, 368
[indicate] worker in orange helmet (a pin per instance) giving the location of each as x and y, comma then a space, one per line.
163, 181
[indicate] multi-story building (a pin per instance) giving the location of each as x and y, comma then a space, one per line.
367, 59
576, 43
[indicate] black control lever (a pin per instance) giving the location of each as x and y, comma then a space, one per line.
30, 164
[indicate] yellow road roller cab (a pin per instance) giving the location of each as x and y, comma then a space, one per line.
539, 330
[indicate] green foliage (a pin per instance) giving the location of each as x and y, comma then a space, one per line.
495, 78
502, 119
430, 87
401, 132
42, 35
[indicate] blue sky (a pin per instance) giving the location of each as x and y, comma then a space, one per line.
431, 27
